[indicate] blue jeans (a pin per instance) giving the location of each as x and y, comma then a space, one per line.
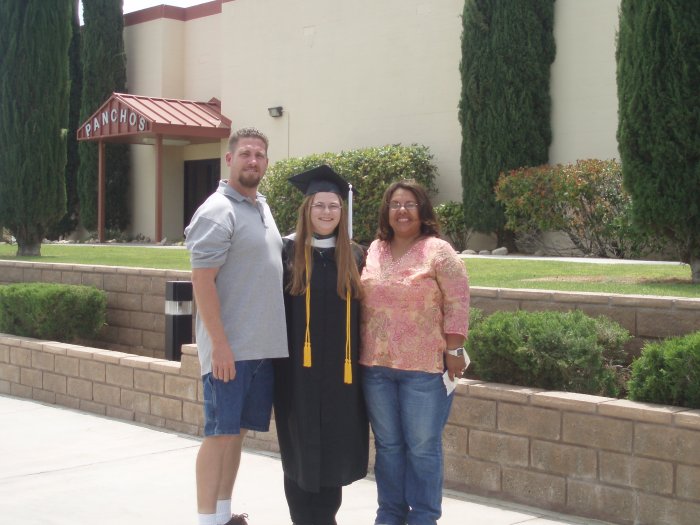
408, 411
245, 402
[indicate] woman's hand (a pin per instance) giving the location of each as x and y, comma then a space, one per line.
455, 365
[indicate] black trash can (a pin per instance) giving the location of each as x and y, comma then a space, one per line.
178, 317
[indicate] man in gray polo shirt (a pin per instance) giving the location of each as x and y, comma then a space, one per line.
235, 251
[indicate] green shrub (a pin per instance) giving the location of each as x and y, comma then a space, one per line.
668, 372
476, 316
585, 200
370, 171
567, 351
453, 224
55, 312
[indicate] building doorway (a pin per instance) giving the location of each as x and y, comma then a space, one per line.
201, 179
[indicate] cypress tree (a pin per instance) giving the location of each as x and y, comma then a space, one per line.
34, 87
69, 221
658, 79
504, 109
104, 72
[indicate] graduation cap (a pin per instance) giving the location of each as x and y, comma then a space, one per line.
323, 178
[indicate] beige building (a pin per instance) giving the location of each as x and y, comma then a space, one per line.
348, 74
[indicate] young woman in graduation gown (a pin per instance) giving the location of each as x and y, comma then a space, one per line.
320, 415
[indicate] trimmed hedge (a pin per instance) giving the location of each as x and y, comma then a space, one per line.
370, 171
55, 312
567, 351
668, 372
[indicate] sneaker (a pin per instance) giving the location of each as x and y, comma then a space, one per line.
238, 519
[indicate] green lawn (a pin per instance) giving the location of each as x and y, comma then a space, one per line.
106, 254
643, 279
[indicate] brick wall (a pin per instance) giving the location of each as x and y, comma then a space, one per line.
604, 458
165, 394
135, 299
624, 462
616, 460
136, 304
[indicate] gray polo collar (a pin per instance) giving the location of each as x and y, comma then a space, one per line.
229, 191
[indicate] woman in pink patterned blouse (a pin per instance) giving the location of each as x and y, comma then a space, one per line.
414, 321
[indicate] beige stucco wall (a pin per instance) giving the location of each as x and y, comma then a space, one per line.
349, 75
173, 193
155, 58
143, 190
203, 54
584, 89
170, 58
361, 73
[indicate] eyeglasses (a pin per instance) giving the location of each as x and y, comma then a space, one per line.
408, 206
320, 207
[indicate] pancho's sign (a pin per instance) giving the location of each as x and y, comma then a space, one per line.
113, 116
137, 119
112, 119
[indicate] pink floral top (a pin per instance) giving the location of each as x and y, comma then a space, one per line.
410, 304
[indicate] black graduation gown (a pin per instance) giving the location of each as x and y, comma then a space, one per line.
321, 421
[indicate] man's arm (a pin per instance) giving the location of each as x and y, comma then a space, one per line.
223, 366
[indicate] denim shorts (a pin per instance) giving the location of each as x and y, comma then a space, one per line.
245, 402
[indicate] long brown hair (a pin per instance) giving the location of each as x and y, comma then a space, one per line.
348, 274
429, 225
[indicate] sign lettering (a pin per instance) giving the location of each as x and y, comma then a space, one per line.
113, 116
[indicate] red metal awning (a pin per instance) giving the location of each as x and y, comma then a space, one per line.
137, 119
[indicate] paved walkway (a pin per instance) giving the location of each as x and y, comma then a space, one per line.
60, 466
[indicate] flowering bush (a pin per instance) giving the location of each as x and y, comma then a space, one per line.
450, 215
585, 200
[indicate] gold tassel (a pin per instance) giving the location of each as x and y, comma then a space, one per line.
307, 354
307, 338
348, 354
348, 372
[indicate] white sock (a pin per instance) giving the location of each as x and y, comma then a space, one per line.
223, 511
207, 519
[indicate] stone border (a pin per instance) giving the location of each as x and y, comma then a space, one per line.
136, 304
603, 458
615, 460
135, 299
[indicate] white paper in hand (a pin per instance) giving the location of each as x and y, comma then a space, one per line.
449, 385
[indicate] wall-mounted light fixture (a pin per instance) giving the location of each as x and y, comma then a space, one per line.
275, 111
